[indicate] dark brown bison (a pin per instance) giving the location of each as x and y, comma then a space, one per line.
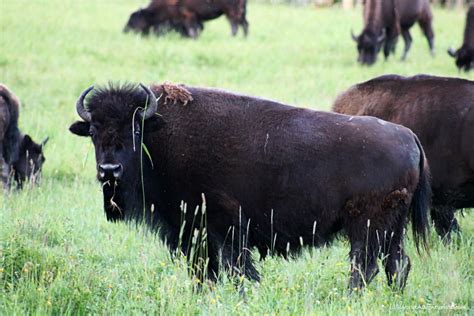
465, 55
187, 16
441, 113
383, 22
21, 159
274, 177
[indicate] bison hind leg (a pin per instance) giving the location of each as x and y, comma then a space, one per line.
364, 266
396, 262
376, 226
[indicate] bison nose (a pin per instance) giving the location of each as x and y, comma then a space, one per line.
107, 171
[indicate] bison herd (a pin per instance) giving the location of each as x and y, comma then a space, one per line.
217, 174
255, 173
384, 21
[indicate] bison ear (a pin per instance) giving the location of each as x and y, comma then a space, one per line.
27, 142
80, 128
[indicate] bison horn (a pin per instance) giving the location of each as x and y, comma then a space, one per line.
152, 103
44, 141
354, 37
381, 38
452, 52
83, 113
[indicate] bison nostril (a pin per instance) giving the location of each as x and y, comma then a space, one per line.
118, 171
108, 170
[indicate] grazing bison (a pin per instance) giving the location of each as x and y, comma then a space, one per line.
187, 16
21, 158
383, 22
273, 176
441, 113
465, 55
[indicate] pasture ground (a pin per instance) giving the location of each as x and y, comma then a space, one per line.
58, 254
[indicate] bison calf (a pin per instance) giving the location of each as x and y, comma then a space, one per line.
441, 113
465, 54
274, 177
21, 159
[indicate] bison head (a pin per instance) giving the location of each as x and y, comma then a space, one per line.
140, 21
30, 161
115, 119
368, 46
464, 57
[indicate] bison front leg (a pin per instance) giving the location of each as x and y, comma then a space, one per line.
245, 26
191, 24
234, 27
390, 43
444, 221
4, 174
230, 256
407, 38
4, 171
427, 28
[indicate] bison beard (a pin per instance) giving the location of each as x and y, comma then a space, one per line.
254, 173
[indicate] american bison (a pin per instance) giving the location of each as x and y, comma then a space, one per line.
383, 22
21, 159
274, 177
441, 113
465, 54
187, 16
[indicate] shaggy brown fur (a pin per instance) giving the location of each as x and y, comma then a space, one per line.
441, 113
274, 177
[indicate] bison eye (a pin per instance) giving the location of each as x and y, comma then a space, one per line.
91, 131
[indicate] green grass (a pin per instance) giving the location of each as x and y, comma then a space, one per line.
58, 254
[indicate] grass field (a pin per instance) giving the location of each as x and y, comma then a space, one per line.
58, 254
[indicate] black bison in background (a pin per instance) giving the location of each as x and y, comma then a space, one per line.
21, 158
441, 113
274, 177
465, 55
383, 22
187, 16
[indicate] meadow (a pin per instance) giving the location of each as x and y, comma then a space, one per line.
59, 255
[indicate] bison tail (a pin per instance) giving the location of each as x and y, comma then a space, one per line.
421, 203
